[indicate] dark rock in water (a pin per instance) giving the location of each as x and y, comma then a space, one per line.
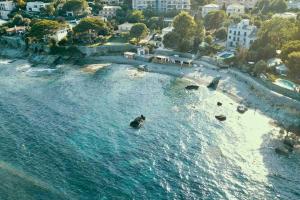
219, 104
241, 109
138, 122
282, 151
221, 117
214, 84
192, 87
289, 143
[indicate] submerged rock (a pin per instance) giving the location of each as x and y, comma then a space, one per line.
214, 84
282, 151
221, 117
192, 87
219, 103
242, 109
138, 122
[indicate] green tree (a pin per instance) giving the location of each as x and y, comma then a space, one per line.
91, 24
169, 39
278, 6
293, 62
77, 6
43, 28
135, 16
215, 19
138, 31
208, 39
288, 48
260, 67
221, 33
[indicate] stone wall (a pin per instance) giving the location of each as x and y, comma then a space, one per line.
106, 49
12, 42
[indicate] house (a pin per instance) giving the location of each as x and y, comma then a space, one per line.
293, 4
16, 30
274, 62
241, 34
142, 51
112, 2
5, 8
161, 5
282, 69
181, 61
249, 4
129, 55
235, 9
35, 6
126, 27
208, 8
109, 11
161, 59
59, 35
286, 15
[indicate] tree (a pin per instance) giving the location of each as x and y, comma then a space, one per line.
293, 62
91, 24
278, 6
260, 67
17, 20
215, 19
139, 31
208, 39
135, 16
49, 10
43, 28
169, 39
155, 23
77, 6
21, 4
288, 48
221, 33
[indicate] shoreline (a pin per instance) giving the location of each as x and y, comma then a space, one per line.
284, 110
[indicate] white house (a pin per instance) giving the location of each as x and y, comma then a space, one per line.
60, 34
35, 6
249, 4
161, 5
126, 27
112, 2
293, 4
286, 15
235, 9
242, 34
208, 8
5, 8
166, 30
109, 11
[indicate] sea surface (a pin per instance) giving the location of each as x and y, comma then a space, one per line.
64, 134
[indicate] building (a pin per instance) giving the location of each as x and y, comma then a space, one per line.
293, 4
36, 6
5, 8
112, 2
109, 11
60, 34
17, 30
208, 8
286, 15
249, 4
161, 5
126, 27
235, 9
166, 30
241, 35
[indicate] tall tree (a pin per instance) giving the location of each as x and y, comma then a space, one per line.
139, 31
215, 19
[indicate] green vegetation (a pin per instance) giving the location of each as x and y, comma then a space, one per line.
185, 34
75, 6
215, 19
139, 31
44, 27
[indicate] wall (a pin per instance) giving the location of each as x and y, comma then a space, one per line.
106, 49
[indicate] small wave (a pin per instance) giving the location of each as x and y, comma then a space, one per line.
5, 61
40, 72
23, 68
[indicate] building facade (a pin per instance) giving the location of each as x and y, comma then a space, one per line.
161, 5
235, 9
5, 8
109, 11
241, 35
208, 8
112, 2
126, 27
35, 6
249, 4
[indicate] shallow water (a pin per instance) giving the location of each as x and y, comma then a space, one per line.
67, 136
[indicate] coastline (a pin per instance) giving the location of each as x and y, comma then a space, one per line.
283, 110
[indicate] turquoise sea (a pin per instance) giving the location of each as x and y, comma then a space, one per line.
66, 135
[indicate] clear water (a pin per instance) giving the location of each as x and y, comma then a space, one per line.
67, 136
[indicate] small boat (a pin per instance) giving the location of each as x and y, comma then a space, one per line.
138, 122
221, 117
192, 87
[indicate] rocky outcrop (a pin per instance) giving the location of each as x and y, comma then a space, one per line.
192, 87
242, 109
221, 117
219, 104
138, 122
214, 84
